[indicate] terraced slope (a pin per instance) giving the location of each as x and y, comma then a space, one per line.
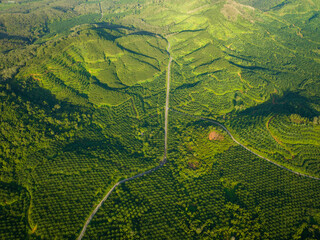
95, 64
244, 66
64, 141
82, 96
212, 189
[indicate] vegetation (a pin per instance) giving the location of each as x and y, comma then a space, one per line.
231, 194
82, 95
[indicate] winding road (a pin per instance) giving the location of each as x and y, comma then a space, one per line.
164, 160
228, 132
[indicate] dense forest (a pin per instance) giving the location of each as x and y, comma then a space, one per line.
83, 94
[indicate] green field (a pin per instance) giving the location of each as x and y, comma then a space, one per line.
82, 107
230, 193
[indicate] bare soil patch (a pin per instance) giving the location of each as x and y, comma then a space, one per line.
193, 165
215, 136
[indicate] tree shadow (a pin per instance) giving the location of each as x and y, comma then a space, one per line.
111, 26
30, 91
289, 103
13, 37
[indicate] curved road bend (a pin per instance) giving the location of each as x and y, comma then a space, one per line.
219, 124
164, 160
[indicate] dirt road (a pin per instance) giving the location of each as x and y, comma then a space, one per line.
164, 160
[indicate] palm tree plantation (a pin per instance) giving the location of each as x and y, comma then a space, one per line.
160, 119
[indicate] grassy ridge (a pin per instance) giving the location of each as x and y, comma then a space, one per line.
95, 63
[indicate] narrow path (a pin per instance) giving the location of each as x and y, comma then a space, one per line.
167, 104
108, 194
164, 160
219, 124
100, 12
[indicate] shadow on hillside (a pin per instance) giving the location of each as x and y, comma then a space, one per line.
289, 103
101, 26
13, 37
83, 144
111, 26
32, 92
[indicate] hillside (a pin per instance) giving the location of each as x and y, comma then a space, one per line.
83, 89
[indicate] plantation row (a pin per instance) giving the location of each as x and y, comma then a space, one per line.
294, 133
238, 195
89, 166
278, 138
86, 110
75, 159
94, 61
249, 84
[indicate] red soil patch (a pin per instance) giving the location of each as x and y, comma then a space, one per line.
215, 136
193, 165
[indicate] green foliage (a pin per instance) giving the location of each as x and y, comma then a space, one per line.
283, 129
82, 107
240, 196
14, 203
101, 96
66, 158
265, 5
65, 26
95, 62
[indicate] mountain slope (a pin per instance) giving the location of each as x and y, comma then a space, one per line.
82, 106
